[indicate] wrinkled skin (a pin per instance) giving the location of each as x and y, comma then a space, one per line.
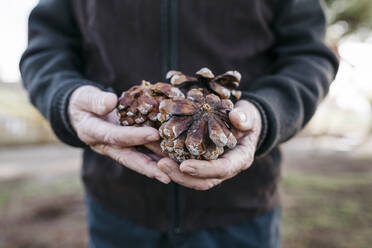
204, 175
93, 116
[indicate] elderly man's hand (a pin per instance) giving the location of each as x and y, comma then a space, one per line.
92, 115
203, 175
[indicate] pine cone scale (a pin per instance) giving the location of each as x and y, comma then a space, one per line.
177, 107
191, 113
139, 105
195, 138
175, 126
216, 133
208, 134
224, 85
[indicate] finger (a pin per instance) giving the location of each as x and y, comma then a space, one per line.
244, 116
113, 117
93, 130
154, 156
155, 148
148, 152
133, 160
94, 100
227, 166
220, 168
171, 169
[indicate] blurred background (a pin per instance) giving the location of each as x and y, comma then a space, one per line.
327, 168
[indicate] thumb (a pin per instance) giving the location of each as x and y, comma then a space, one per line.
244, 116
94, 100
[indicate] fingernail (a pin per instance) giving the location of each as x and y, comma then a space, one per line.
242, 116
163, 179
166, 169
189, 170
152, 137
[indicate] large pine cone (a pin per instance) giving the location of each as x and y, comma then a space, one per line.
225, 85
139, 106
197, 127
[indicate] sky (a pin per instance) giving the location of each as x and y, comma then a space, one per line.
358, 57
13, 36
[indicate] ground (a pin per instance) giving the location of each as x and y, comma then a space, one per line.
325, 197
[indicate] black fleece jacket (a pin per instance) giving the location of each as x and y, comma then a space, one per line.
287, 96
278, 45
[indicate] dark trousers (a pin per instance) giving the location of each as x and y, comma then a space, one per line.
108, 230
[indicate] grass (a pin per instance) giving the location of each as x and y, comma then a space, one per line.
318, 210
36, 213
321, 211
25, 189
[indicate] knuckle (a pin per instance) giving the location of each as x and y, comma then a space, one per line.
103, 148
149, 174
98, 132
120, 159
126, 138
108, 138
100, 148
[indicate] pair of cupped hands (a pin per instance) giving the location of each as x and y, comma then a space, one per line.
93, 116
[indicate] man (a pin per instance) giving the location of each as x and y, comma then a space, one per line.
83, 53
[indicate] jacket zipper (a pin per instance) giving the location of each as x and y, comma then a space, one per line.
169, 28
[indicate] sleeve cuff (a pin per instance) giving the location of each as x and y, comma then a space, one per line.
267, 137
59, 118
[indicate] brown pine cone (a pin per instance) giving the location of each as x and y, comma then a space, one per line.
225, 85
139, 106
197, 127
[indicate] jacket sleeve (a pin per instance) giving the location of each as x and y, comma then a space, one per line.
51, 65
300, 77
